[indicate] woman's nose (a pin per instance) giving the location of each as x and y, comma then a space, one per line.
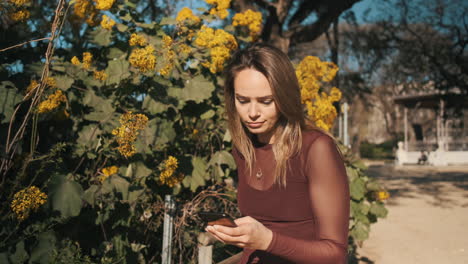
253, 111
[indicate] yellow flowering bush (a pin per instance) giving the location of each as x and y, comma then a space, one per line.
87, 60
20, 2
143, 58
167, 176
220, 7
312, 73
52, 102
85, 10
220, 43
27, 201
186, 14
382, 195
251, 19
107, 22
127, 133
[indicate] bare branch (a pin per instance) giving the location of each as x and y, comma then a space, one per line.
24, 43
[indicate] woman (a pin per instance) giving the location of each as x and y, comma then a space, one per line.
293, 189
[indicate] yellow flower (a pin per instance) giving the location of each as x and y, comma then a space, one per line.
82, 8
75, 61
167, 175
186, 14
51, 82
167, 41
184, 49
382, 195
32, 85
143, 58
100, 75
127, 133
220, 8
87, 59
107, 22
251, 19
52, 102
108, 171
20, 2
136, 39
26, 201
104, 4
20, 15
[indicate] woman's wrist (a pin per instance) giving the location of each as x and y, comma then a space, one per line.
268, 240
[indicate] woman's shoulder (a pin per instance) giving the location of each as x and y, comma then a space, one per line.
311, 136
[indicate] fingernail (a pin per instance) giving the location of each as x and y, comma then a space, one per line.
215, 227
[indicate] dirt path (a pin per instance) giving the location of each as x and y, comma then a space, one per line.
428, 216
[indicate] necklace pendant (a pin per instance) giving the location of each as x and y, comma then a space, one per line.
259, 174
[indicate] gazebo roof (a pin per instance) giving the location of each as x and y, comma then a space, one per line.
432, 100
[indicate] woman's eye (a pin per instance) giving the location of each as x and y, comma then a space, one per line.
267, 102
241, 101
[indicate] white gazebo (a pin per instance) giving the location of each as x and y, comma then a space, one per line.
447, 147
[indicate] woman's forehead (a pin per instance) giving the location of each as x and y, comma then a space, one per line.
252, 83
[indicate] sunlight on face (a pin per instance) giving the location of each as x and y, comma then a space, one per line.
255, 104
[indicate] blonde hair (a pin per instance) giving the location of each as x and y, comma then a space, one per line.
280, 73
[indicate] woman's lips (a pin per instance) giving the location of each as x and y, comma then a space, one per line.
254, 124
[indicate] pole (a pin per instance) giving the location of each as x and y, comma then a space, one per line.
345, 124
167, 231
406, 129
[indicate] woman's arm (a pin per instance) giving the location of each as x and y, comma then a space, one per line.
329, 199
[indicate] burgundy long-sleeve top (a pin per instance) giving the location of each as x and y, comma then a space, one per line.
309, 217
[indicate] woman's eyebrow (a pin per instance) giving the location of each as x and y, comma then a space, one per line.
258, 98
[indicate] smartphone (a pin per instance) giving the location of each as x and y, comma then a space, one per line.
215, 218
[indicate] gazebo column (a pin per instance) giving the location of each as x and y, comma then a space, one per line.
406, 128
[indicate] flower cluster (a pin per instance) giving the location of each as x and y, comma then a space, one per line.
382, 195
50, 82
26, 201
143, 58
136, 39
20, 15
220, 7
85, 10
107, 22
167, 176
100, 75
87, 59
52, 102
251, 19
104, 4
186, 15
168, 57
220, 44
106, 172
127, 133
20, 2
312, 73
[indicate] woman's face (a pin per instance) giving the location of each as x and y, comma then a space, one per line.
255, 104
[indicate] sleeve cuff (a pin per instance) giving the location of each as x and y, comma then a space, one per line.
272, 245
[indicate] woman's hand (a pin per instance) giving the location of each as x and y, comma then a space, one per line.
249, 233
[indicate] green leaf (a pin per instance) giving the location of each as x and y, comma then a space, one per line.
116, 71
198, 174
41, 253
9, 97
208, 114
101, 36
168, 21
90, 194
139, 170
197, 89
65, 196
20, 255
118, 184
88, 136
153, 106
115, 53
64, 82
379, 210
357, 189
373, 185
223, 157
121, 27
360, 232
102, 107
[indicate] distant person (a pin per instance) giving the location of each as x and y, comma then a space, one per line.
423, 158
293, 191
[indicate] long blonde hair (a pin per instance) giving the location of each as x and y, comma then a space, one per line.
280, 73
